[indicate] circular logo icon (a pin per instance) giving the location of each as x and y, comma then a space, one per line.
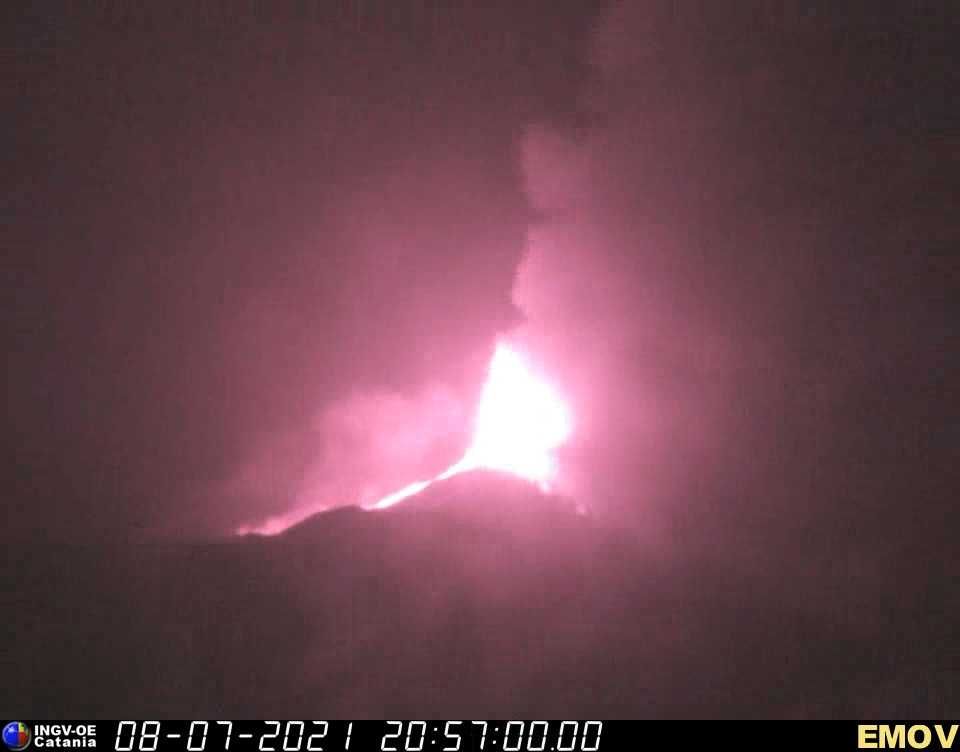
16, 735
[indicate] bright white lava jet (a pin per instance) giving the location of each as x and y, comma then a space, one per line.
519, 423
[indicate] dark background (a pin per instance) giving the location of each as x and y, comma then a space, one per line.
225, 217
727, 231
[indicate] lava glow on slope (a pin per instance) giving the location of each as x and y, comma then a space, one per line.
520, 422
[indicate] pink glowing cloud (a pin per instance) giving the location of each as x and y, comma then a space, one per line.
521, 421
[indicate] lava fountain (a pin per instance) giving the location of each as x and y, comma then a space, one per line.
520, 422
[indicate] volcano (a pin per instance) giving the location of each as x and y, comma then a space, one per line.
480, 596
473, 498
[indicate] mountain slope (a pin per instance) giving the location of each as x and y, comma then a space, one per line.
479, 597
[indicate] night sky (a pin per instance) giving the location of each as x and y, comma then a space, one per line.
257, 257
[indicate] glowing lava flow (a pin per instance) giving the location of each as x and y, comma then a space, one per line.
520, 422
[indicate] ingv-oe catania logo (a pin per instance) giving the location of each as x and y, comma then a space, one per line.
16, 736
